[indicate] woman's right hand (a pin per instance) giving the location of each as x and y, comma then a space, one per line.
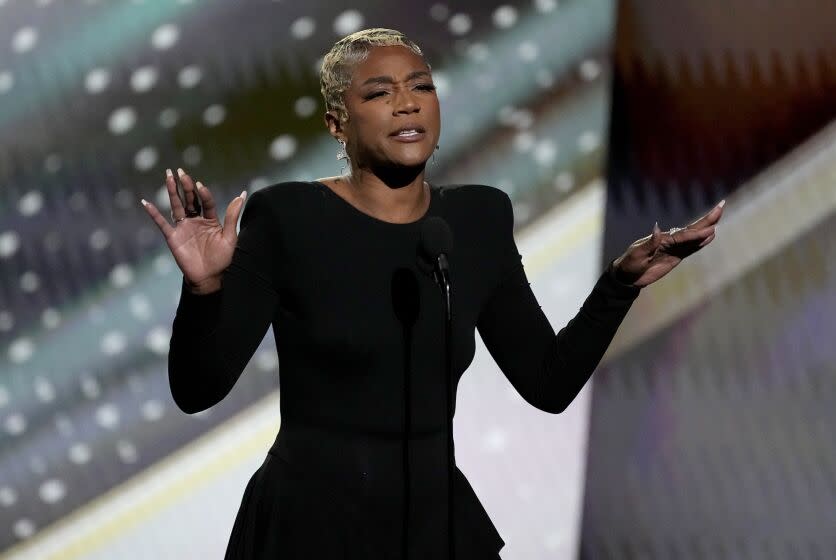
201, 246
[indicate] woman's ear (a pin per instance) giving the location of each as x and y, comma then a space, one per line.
334, 124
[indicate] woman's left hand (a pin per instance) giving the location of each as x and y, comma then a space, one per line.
651, 257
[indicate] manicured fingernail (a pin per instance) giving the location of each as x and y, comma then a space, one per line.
169, 173
180, 171
655, 226
243, 195
722, 203
199, 185
144, 202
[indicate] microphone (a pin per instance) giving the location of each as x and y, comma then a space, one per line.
435, 244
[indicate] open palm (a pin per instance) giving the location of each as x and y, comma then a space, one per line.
650, 258
200, 245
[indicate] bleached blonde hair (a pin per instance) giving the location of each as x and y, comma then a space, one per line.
339, 63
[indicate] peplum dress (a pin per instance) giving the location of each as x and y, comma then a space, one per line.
333, 282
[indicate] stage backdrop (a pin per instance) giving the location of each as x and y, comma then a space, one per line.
97, 98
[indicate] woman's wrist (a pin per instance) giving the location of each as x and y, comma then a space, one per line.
204, 287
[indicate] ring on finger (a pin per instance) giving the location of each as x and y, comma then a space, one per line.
674, 230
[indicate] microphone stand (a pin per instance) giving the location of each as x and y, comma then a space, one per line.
442, 278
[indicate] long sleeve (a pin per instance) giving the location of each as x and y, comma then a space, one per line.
547, 370
215, 335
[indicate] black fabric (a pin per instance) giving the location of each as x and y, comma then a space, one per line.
323, 273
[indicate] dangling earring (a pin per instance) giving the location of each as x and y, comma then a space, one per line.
436, 149
342, 154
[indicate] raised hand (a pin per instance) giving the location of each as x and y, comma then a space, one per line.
201, 246
650, 258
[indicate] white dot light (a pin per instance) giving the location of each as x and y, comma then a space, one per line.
121, 120
99, 239
107, 415
113, 342
9, 244
7, 81
52, 163
439, 12
505, 16
545, 152
127, 451
23, 528
21, 349
44, 390
158, 340
15, 424
79, 453
564, 182
51, 318
24, 39
589, 69
140, 306
8, 497
283, 147
146, 158
168, 117
545, 5
348, 22
588, 141
152, 410
121, 275
165, 36
7, 321
30, 203
303, 28
460, 24
96, 80
189, 76
90, 386
305, 106
52, 491
528, 51
29, 282
214, 115
143, 79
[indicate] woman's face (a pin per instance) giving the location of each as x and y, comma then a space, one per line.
394, 118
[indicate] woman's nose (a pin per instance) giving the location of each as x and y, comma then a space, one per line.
405, 102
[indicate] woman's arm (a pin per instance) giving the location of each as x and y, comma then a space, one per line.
215, 335
547, 370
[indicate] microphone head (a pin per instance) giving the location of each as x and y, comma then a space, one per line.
436, 237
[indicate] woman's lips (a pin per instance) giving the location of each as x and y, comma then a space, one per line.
410, 137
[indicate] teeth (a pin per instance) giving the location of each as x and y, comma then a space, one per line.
407, 133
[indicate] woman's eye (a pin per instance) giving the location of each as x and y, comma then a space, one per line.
427, 87
374, 94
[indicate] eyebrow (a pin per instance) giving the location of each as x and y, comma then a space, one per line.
389, 80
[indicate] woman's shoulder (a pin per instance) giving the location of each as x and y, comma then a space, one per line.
476, 198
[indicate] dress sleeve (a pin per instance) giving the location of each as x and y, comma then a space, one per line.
215, 335
547, 370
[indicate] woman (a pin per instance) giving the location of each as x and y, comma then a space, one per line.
357, 470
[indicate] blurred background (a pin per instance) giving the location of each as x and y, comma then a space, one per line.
706, 431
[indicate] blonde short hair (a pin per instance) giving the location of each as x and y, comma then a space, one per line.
338, 64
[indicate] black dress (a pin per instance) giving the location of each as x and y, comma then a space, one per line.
329, 278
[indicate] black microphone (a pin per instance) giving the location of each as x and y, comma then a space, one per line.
435, 245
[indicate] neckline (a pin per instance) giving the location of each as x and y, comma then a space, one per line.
356, 210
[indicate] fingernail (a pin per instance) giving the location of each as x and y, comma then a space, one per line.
722, 203
144, 202
199, 185
243, 195
655, 226
180, 171
169, 173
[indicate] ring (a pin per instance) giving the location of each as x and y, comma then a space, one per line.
178, 220
674, 230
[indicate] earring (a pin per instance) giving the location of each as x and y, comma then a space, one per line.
436, 149
342, 154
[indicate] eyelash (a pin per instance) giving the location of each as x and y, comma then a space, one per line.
424, 87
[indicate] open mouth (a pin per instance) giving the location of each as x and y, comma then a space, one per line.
409, 133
